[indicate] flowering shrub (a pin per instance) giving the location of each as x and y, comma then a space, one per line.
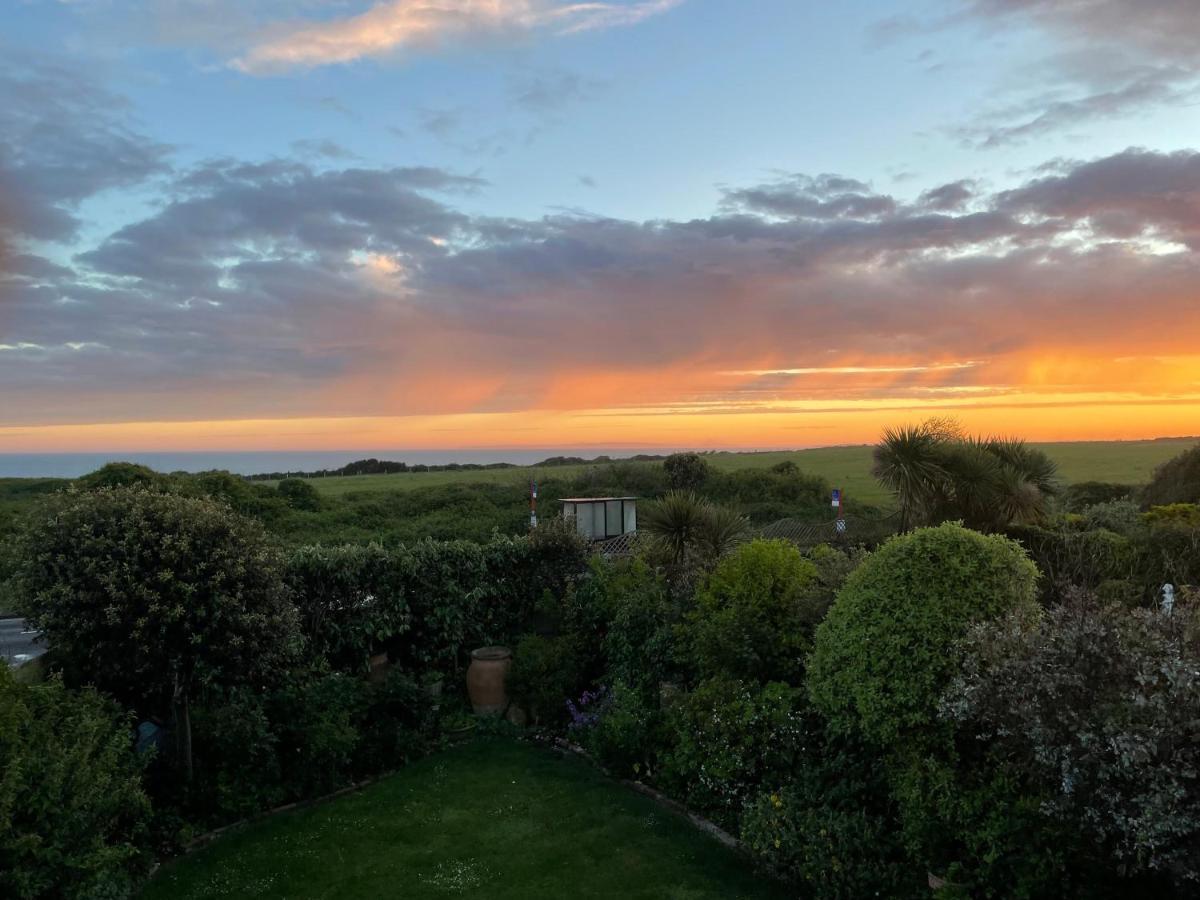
625, 733
1098, 708
587, 712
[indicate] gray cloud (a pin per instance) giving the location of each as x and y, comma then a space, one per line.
62, 140
268, 288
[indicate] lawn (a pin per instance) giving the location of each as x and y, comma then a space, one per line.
494, 818
1127, 462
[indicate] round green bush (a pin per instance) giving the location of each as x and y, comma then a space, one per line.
73, 813
888, 648
750, 618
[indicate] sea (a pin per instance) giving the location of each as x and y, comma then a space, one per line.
72, 465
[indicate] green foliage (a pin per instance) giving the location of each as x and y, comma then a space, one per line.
73, 815
940, 474
1186, 515
238, 772
1071, 557
546, 672
1079, 496
752, 620
315, 721
1175, 481
888, 647
147, 594
685, 471
1097, 710
729, 738
122, 474
299, 494
628, 735
349, 605
639, 641
831, 830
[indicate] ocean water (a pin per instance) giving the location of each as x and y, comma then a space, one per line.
72, 465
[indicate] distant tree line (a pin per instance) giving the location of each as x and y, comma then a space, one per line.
391, 467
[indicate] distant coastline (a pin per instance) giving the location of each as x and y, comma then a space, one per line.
73, 465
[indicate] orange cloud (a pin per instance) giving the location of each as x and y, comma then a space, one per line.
422, 25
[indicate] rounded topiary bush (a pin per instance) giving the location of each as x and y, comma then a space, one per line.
888, 647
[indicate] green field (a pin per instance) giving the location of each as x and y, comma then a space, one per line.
493, 818
1125, 462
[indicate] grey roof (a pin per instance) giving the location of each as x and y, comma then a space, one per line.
592, 499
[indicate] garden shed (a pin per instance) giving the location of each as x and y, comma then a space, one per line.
600, 518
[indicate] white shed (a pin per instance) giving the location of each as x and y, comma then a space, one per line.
598, 518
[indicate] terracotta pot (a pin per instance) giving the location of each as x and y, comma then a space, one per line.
485, 680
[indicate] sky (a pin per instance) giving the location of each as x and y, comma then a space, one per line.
332, 224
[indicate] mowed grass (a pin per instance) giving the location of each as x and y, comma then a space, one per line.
493, 818
1125, 462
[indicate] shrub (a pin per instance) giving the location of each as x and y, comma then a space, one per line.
398, 724
626, 734
238, 772
887, 649
1119, 516
73, 815
831, 829
1079, 496
751, 620
154, 597
639, 644
1069, 557
315, 720
546, 672
685, 471
349, 607
728, 739
1175, 481
1098, 707
299, 494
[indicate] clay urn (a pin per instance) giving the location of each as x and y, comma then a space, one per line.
485, 680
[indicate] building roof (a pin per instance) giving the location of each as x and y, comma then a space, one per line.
592, 499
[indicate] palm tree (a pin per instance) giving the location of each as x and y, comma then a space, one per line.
908, 461
721, 529
674, 523
938, 473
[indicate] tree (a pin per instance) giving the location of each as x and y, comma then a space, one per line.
153, 597
690, 530
939, 474
1175, 481
686, 471
299, 494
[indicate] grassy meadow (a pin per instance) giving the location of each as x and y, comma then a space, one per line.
1124, 462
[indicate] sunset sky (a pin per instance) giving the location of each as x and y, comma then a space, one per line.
334, 224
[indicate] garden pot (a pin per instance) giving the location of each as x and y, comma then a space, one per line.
485, 680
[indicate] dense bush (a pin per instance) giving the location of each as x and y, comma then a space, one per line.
728, 738
831, 829
1069, 557
546, 672
1175, 481
625, 734
887, 649
639, 613
299, 494
238, 769
73, 815
349, 604
752, 618
685, 471
316, 725
1079, 496
1098, 708
155, 597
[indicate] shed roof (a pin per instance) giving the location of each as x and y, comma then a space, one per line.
592, 499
